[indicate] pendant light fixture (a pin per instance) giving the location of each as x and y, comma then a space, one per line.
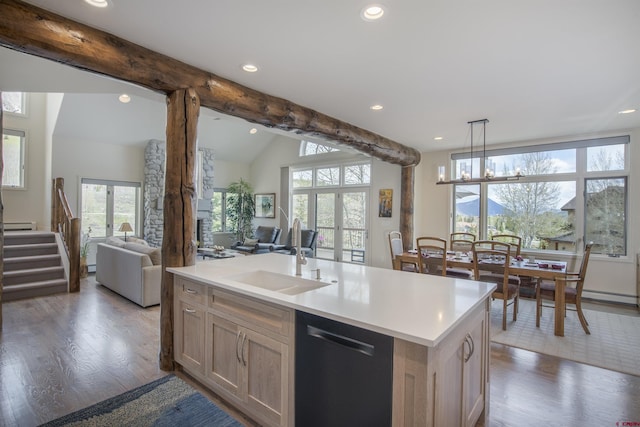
466, 177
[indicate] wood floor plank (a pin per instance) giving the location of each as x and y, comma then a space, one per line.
61, 353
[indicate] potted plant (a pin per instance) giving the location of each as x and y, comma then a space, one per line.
240, 209
84, 251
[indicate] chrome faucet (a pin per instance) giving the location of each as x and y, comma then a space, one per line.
297, 242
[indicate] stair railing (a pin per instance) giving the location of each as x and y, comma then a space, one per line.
68, 226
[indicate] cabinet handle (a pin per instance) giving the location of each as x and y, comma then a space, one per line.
190, 291
189, 310
238, 341
469, 340
244, 339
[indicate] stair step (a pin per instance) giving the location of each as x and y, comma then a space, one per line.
28, 237
33, 289
26, 262
17, 277
13, 251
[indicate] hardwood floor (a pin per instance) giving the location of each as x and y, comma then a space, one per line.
64, 352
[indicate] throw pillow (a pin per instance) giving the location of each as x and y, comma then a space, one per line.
136, 240
155, 254
115, 241
250, 242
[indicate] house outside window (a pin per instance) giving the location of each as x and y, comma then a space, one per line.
13, 154
571, 193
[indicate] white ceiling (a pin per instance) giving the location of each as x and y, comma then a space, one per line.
535, 68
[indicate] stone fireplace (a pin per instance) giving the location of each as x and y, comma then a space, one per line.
154, 156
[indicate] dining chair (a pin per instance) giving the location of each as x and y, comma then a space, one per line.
396, 248
436, 248
514, 241
460, 241
546, 290
491, 262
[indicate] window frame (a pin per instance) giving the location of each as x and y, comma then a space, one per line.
24, 105
580, 177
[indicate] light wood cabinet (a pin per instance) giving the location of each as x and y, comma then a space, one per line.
460, 376
447, 384
246, 351
189, 325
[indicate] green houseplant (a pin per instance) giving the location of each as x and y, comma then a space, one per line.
240, 208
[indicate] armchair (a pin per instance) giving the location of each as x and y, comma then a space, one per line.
307, 242
264, 240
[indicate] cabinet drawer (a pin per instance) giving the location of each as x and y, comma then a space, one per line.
187, 290
259, 316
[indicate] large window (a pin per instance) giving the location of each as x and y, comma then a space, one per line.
13, 154
334, 200
571, 193
219, 210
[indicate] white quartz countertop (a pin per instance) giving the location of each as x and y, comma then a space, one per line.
418, 308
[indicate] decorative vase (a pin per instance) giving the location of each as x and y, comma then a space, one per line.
84, 269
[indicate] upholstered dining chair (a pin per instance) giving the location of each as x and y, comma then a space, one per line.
491, 262
514, 241
574, 282
460, 241
437, 248
396, 248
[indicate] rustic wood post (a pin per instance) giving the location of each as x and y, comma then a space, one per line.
178, 241
406, 206
56, 205
73, 243
1, 208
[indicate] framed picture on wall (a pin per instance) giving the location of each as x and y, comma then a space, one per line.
385, 200
266, 205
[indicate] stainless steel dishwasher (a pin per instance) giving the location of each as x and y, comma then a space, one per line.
343, 374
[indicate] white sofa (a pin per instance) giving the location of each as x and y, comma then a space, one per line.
131, 269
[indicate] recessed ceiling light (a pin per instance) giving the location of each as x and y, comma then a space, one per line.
250, 68
97, 3
376, 107
372, 12
124, 98
629, 111
438, 138
253, 131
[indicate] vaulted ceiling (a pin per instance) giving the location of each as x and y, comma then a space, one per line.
535, 69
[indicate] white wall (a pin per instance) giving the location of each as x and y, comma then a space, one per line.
27, 204
612, 275
73, 160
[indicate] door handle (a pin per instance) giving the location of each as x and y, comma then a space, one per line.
244, 339
350, 343
469, 340
237, 341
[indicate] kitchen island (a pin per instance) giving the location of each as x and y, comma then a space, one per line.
234, 331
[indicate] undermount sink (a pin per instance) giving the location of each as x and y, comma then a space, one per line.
277, 282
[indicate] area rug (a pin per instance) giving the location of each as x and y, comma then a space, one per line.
614, 342
168, 401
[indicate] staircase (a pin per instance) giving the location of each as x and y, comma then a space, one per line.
32, 265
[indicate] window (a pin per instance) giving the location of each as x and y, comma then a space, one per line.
219, 209
107, 204
14, 102
13, 154
572, 192
308, 148
334, 200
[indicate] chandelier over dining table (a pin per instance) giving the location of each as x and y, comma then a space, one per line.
466, 177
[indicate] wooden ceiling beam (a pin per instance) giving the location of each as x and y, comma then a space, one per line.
35, 31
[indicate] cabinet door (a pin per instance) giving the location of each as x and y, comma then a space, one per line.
449, 385
266, 376
223, 342
189, 336
474, 371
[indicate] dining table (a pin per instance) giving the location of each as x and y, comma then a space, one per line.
540, 269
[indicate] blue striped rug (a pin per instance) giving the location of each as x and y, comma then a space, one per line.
168, 401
